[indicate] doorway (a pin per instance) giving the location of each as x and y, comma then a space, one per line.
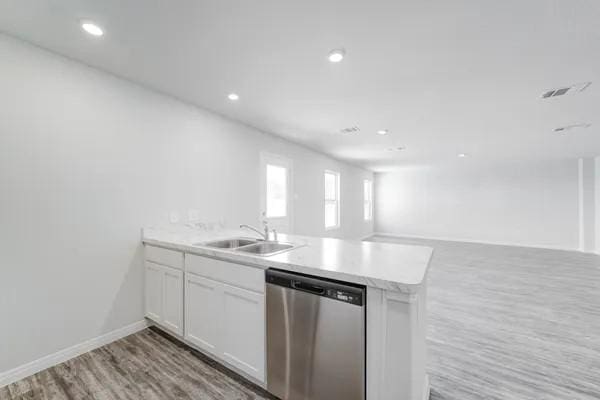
276, 192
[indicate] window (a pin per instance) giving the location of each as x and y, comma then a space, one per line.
368, 200
332, 200
276, 191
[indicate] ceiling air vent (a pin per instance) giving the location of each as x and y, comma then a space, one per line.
352, 129
564, 129
580, 87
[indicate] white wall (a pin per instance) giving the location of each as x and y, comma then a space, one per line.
597, 202
587, 216
531, 204
86, 160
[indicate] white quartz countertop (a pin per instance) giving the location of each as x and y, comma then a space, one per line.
382, 265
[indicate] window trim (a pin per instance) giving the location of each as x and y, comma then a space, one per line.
337, 200
369, 201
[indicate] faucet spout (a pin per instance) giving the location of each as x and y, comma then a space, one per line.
264, 235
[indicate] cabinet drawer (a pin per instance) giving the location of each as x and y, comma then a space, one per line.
162, 256
234, 274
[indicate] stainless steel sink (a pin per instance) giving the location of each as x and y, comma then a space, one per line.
257, 247
267, 248
229, 243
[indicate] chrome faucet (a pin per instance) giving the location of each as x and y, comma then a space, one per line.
264, 234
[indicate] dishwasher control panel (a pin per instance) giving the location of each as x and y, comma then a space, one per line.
340, 291
348, 297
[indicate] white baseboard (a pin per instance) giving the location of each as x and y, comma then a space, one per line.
16, 374
454, 239
370, 235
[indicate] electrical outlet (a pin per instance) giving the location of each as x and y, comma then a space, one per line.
193, 215
174, 217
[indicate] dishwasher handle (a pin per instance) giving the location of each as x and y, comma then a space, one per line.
307, 287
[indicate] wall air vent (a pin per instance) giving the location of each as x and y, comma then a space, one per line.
564, 129
352, 129
580, 87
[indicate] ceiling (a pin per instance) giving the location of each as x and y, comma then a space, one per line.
444, 77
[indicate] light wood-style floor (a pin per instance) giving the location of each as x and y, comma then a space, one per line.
505, 323
511, 323
148, 365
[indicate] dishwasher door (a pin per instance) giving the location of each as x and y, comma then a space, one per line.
315, 338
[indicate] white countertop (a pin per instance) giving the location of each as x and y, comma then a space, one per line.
382, 265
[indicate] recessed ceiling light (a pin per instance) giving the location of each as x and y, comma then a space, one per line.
336, 55
233, 96
462, 155
92, 28
382, 132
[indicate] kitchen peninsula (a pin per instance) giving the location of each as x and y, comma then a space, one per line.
213, 299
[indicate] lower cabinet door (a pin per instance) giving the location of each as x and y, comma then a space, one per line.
154, 291
173, 300
243, 330
203, 307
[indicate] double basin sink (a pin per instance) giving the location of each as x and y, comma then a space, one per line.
257, 247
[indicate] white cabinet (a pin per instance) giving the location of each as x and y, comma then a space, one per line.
202, 309
163, 256
154, 291
173, 300
164, 296
243, 325
164, 287
223, 318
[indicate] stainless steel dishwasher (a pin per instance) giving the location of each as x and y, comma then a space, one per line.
315, 338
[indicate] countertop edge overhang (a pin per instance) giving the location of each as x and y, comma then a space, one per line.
392, 267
